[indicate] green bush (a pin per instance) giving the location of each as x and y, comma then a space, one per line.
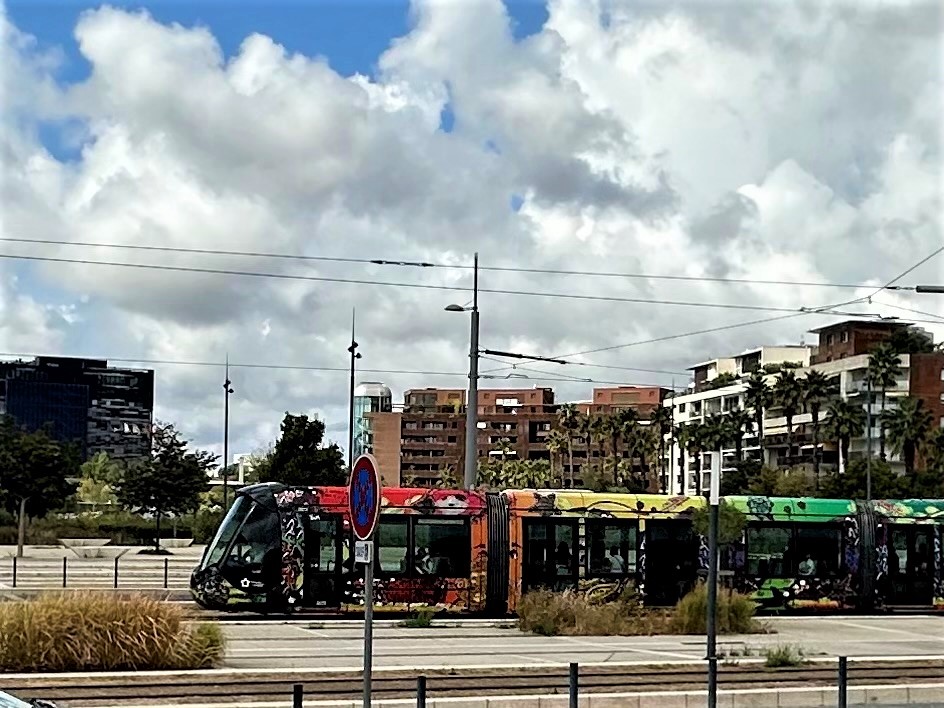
205, 524
123, 528
88, 631
735, 613
783, 655
422, 619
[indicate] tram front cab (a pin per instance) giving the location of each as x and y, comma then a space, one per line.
242, 564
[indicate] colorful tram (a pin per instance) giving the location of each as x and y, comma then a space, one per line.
282, 548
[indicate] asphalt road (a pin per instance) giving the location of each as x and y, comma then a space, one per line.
300, 644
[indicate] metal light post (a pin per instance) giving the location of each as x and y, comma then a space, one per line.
350, 433
713, 501
227, 390
472, 402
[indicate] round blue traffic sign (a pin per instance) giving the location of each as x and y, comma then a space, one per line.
364, 497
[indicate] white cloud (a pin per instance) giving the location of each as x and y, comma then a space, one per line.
797, 142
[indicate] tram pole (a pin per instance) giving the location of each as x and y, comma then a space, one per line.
713, 502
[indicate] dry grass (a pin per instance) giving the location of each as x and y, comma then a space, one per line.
88, 631
570, 613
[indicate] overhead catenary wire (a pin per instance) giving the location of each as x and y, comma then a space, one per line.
446, 266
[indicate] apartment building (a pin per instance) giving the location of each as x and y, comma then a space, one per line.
843, 357
428, 435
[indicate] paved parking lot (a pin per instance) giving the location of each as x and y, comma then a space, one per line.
301, 645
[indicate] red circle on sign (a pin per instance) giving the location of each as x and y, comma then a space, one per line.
364, 497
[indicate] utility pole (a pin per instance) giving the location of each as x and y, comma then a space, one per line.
713, 501
354, 357
472, 404
227, 390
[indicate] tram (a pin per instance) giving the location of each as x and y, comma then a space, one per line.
281, 549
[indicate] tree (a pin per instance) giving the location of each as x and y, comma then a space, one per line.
731, 522
170, 481
300, 457
908, 427
884, 370
911, 340
846, 421
503, 447
757, 398
853, 484
789, 396
695, 444
738, 421
34, 474
661, 422
568, 417
556, 443
99, 475
816, 389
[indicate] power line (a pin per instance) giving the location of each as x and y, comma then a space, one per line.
422, 286
447, 266
939, 320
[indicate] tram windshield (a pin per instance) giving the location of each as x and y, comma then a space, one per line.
232, 523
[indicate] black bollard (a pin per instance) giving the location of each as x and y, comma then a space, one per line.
298, 693
420, 692
65, 562
574, 688
843, 680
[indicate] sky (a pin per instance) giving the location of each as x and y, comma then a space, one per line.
796, 146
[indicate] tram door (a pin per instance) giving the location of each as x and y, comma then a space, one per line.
323, 562
671, 560
550, 554
910, 564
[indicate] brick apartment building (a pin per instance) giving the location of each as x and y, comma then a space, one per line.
428, 435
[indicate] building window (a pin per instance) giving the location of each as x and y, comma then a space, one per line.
442, 547
451, 438
681, 407
612, 548
829, 340
844, 337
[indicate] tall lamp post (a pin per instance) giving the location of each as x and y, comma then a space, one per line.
472, 402
355, 355
713, 501
227, 390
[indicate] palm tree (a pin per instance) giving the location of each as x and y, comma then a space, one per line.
587, 428
503, 446
624, 428
681, 434
884, 371
789, 396
555, 442
846, 421
909, 427
816, 389
568, 417
757, 398
738, 421
661, 422
599, 435
695, 444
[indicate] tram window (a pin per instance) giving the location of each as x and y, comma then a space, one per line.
768, 551
392, 545
564, 549
259, 534
818, 550
612, 548
228, 527
442, 547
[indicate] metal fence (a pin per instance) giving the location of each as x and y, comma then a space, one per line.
129, 573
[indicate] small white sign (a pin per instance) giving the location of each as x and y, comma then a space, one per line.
362, 552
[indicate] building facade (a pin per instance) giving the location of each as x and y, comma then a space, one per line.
99, 408
369, 397
843, 358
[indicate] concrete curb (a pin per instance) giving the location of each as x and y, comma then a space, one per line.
423, 669
927, 694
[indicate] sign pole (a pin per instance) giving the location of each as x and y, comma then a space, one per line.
713, 501
368, 621
364, 498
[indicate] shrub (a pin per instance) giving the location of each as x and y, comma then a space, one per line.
783, 655
735, 613
88, 631
570, 613
422, 619
205, 524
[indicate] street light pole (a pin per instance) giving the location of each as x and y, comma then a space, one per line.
930, 289
227, 389
472, 404
713, 501
350, 433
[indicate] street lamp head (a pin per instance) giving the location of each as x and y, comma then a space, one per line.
455, 308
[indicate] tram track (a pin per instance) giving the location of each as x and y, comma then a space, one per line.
203, 687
